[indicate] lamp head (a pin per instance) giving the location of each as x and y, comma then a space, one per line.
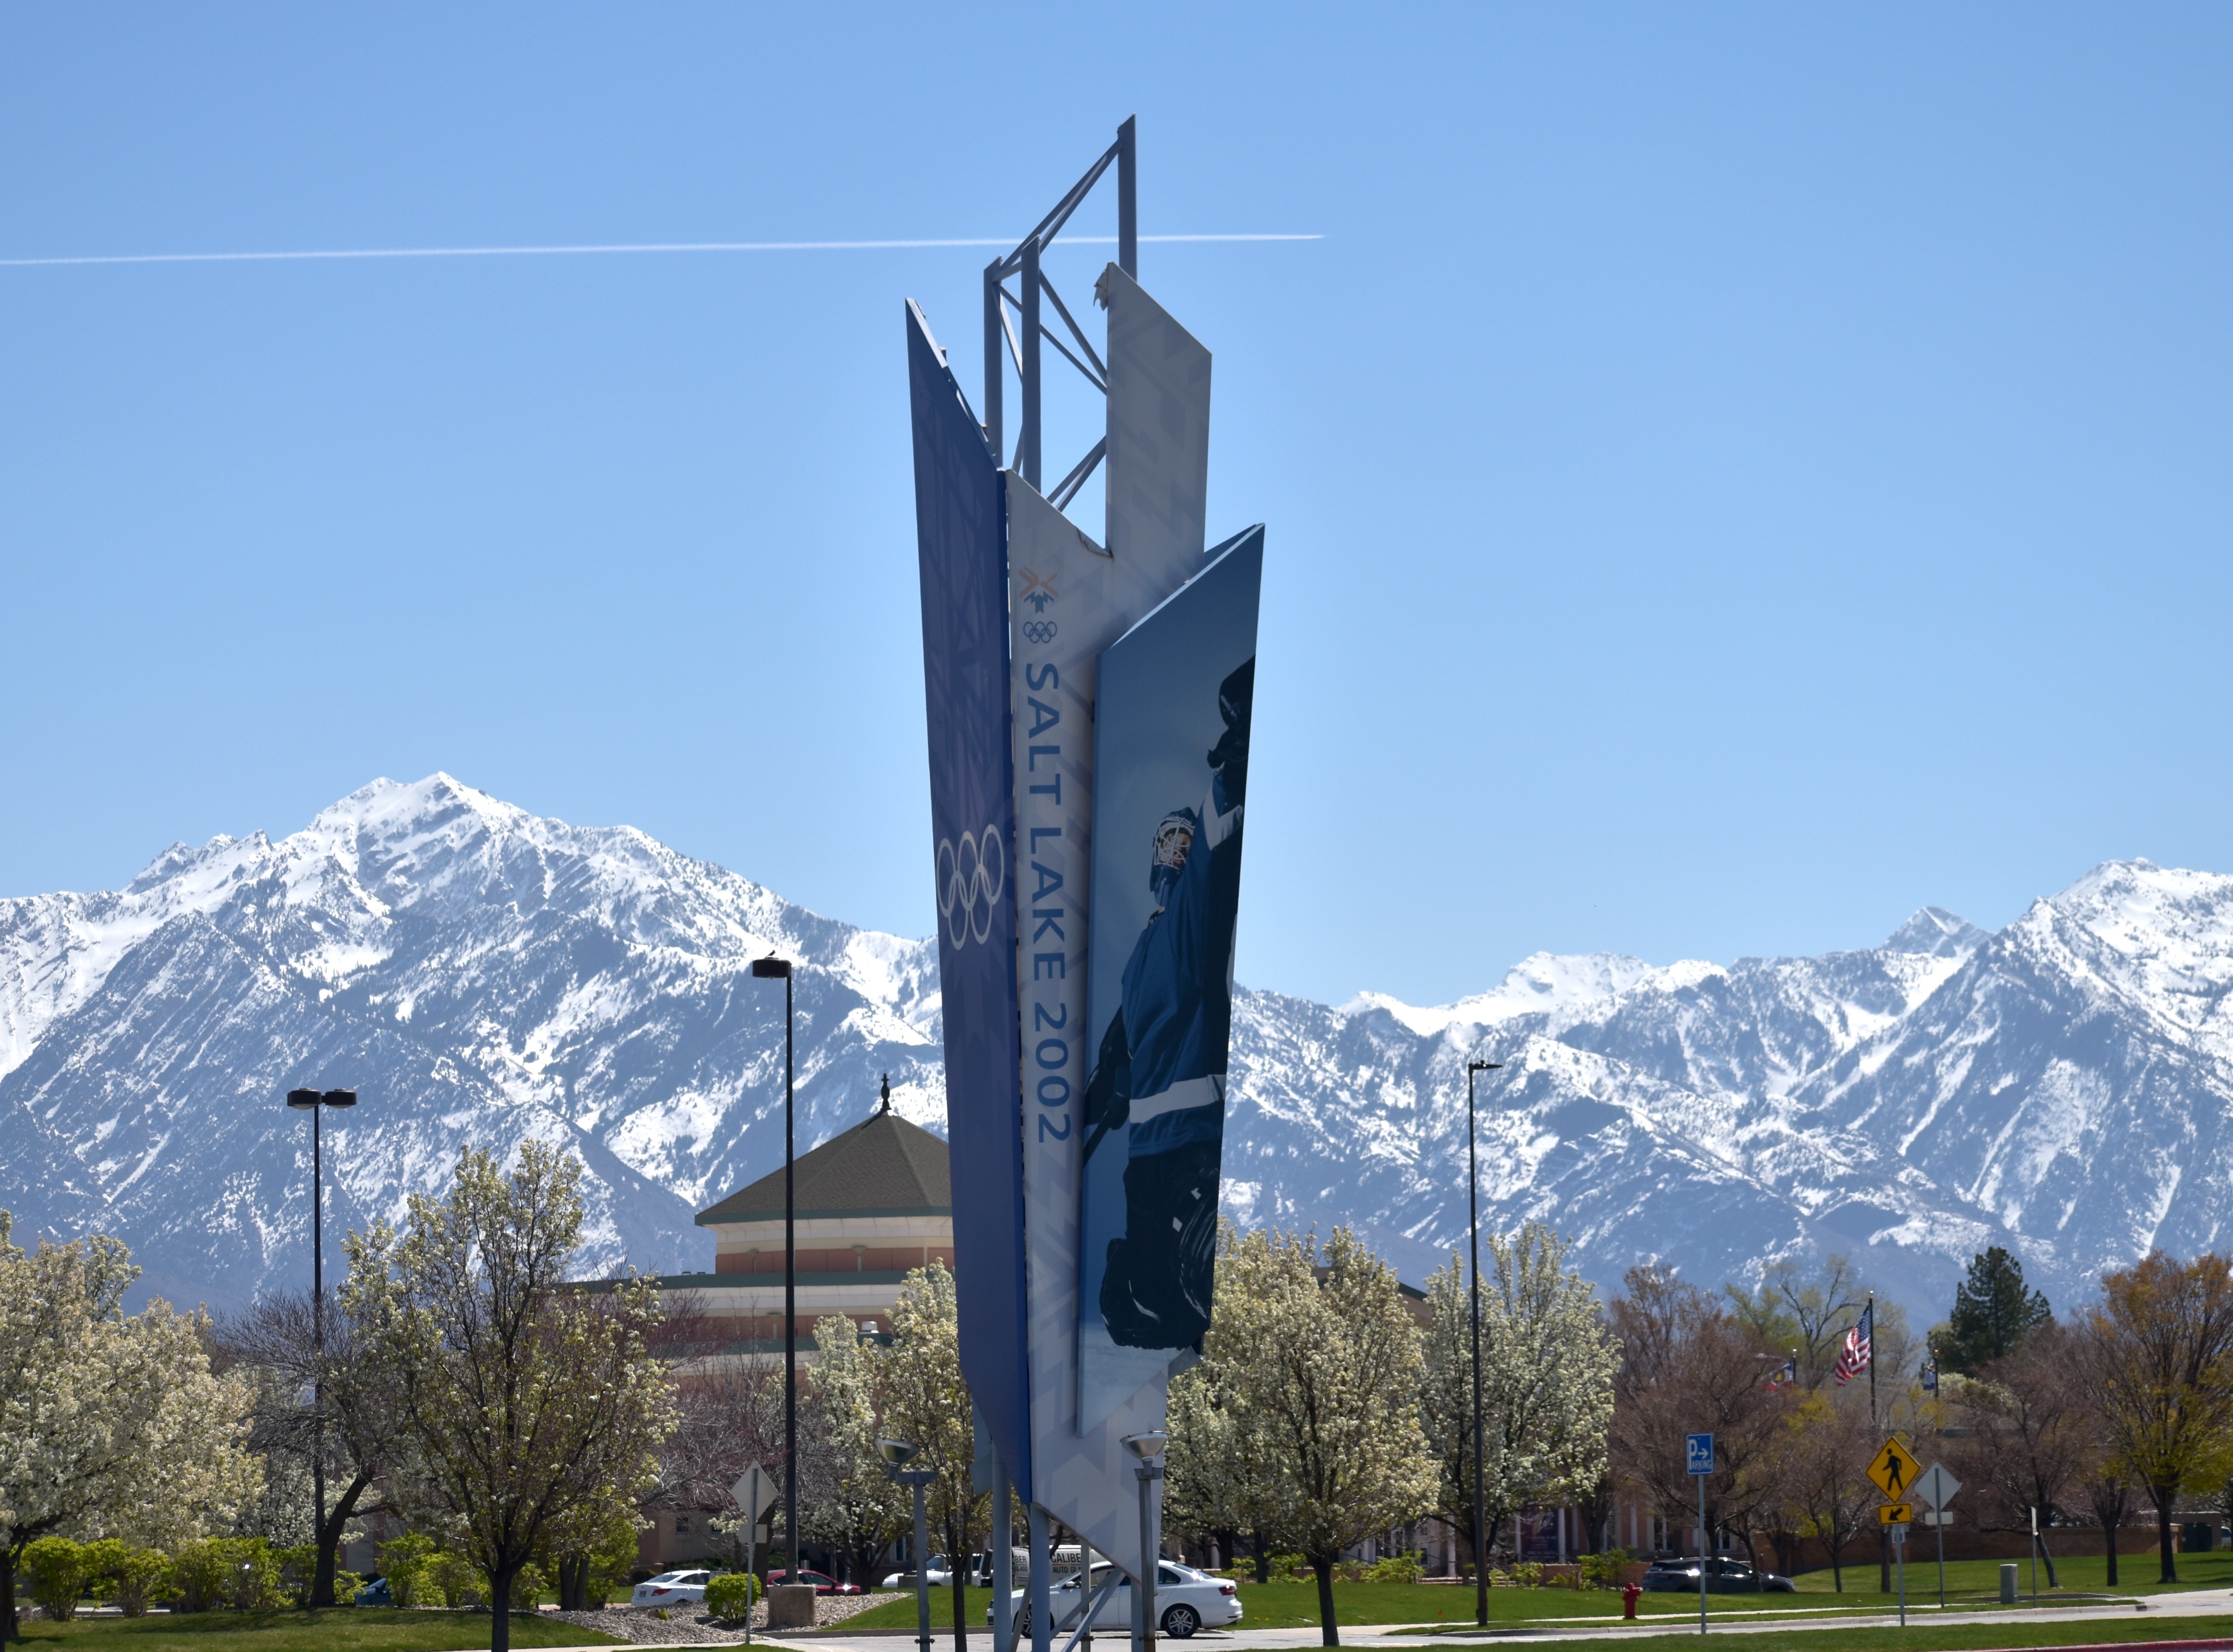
770, 969
895, 1451
1146, 1446
1484, 1067
340, 1097
302, 1098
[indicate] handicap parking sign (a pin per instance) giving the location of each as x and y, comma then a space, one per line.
1698, 1453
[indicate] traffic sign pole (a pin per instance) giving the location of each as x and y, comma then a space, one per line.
1702, 1554
1698, 1459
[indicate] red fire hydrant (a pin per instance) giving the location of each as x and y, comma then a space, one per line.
1628, 1596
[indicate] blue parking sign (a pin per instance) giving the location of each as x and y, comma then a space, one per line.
1698, 1453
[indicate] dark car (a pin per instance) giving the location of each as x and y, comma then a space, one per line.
824, 1583
1723, 1576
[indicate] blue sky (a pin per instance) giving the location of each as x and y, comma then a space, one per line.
1733, 474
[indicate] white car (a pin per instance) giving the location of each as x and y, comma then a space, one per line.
938, 1574
671, 1588
1186, 1600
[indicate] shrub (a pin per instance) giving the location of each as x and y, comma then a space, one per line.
197, 1575
403, 1562
731, 1593
131, 1574
1527, 1574
456, 1579
1287, 1566
252, 1577
298, 1572
58, 1572
527, 1588
1397, 1568
1603, 1571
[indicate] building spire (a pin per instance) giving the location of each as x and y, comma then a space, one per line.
886, 1106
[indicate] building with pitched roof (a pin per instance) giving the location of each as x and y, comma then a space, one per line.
872, 1203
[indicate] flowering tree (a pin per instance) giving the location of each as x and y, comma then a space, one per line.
1547, 1364
1320, 1382
110, 1425
923, 1398
531, 1407
859, 1508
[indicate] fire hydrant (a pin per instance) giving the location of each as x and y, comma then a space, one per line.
1628, 1595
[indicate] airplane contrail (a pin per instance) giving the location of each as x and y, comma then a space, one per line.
567, 251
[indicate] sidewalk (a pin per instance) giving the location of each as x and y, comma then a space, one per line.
2201, 1603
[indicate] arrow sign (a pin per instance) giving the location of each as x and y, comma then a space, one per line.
1895, 1514
1698, 1453
1894, 1470
755, 1491
1934, 1486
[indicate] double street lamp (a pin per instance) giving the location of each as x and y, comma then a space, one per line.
775, 968
315, 1103
1473, 1221
895, 1454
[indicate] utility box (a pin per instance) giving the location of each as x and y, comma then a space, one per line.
2007, 1582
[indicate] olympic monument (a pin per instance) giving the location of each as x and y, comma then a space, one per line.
1089, 706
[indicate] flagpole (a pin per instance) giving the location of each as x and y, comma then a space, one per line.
1884, 1533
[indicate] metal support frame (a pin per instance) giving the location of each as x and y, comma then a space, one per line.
1022, 341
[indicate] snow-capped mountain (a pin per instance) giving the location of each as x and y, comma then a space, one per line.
480, 974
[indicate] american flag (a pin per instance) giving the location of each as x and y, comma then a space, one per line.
1859, 1347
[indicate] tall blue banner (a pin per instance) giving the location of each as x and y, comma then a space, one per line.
961, 542
1175, 699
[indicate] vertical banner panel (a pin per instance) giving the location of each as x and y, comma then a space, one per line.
1172, 714
961, 533
1158, 480
1069, 599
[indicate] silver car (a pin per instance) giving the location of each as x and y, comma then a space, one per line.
1186, 1600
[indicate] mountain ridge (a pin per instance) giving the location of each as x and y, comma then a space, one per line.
484, 975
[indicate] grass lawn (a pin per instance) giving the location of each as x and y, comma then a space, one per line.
1968, 1637
2082, 1573
359, 1629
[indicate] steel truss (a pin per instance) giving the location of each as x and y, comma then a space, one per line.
1021, 343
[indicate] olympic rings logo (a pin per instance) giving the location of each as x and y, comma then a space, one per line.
971, 880
1038, 630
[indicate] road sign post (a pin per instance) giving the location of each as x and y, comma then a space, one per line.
1698, 1459
1936, 1487
755, 1494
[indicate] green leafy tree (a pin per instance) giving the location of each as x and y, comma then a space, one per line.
524, 1401
2155, 1356
1993, 1313
1321, 1382
1804, 1309
110, 1425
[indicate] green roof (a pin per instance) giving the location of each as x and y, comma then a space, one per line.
882, 1166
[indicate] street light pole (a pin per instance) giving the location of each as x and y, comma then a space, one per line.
1472, 1223
768, 968
1148, 1448
315, 1103
895, 1453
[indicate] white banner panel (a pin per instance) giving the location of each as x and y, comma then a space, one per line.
1068, 600
1157, 483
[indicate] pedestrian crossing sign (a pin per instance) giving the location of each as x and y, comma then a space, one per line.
1894, 1470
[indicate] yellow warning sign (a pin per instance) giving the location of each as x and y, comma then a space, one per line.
1894, 1470
1895, 1513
